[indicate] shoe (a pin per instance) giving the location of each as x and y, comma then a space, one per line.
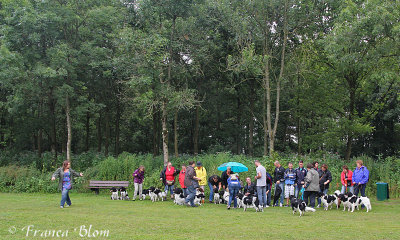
210, 201
229, 207
133, 199
318, 206
195, 206
286, 205
280, 205
68, 205
267, 206
61, 206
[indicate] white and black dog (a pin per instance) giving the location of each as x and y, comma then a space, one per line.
153, 193
145, 193
337, 201
352, 201
114, 193
123, 193
251, 201
299, 206
199, 198
327, 200
179, 198
217, 196
225, 197
239, 199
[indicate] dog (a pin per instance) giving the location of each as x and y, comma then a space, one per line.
251, 201
114, 193
345, 199
162, 195
179, 198
326, 200
145, 193
217, 197
199, 199
299, 206
124, 194
277, 194
239, 198
153, 193
366, 202
221, 196
337, 201
225, 197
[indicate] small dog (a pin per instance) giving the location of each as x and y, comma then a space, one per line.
299, 206
124, 194
251, 201
114, 193
199, 198
221, 196
217, 197
145, 193
366, 202
179, 198
153, 193
337, 201
239, 200
225, 196
344, 198
162, 195
326, 200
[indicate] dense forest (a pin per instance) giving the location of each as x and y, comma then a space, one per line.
172, 77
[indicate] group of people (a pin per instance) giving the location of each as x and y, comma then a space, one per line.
306, 181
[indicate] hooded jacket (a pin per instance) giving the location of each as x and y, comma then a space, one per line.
361, 175
202, 174
311, 181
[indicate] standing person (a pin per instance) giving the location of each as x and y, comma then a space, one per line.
234, 187
214, 182
269, 187
167, 176
224, 176
261, 179
138, 177
249, 187
346, 179
311, 184
316, 164
201, 173
300, 175
191, 183
325, 177
182, 179
279, 179
65, 176
360, 178
290, 179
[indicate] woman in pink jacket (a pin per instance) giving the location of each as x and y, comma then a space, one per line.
346, 178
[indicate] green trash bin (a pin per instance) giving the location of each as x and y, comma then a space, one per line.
382, 192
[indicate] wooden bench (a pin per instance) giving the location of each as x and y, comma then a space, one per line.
96, 185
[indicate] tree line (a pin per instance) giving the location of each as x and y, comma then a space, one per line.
190, 76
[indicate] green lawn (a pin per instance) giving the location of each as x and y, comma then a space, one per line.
164, 220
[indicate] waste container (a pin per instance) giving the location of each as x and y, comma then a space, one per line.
382, 192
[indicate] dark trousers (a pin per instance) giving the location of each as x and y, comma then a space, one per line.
311, 196
359, 188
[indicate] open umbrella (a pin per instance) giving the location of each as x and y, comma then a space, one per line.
235, 167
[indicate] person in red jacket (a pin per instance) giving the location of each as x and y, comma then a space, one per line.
346, 178
182, 174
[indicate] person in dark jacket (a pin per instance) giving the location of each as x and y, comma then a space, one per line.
279, 179
269, 187
214, 182
65, 178
191, 182
301, 173
325, 177
249, 187
224, 176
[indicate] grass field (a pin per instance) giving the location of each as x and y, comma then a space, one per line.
164, 220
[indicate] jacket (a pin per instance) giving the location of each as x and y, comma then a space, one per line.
269, 181
59, 173
233, 183
300, 175
311, 181
251, 189
279, 174
182, 178
202, 174
349, 178
189, 177
290, 176
361, 175
224, 178
138, 176
324, 176
163, 176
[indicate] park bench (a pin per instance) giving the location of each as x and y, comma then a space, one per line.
96, 185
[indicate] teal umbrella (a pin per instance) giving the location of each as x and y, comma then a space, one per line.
235, 167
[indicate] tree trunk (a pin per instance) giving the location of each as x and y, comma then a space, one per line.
69, 130
196, 133
155, 133
53, 134
117, 132
352, 86
87, 131
238, 122
107, 140
164, 131
251, 121
176, 133
99, 136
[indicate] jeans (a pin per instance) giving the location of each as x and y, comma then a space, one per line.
311, 196
233, 191
65, 197
170, 188
359, 188
262, 195
325, 191
268, 195
191, 194
138, 188
211, 198
282, 185
184, 192
297, 190
349, 189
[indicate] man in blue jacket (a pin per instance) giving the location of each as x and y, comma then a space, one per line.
290, 179
360, 178
301, 173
